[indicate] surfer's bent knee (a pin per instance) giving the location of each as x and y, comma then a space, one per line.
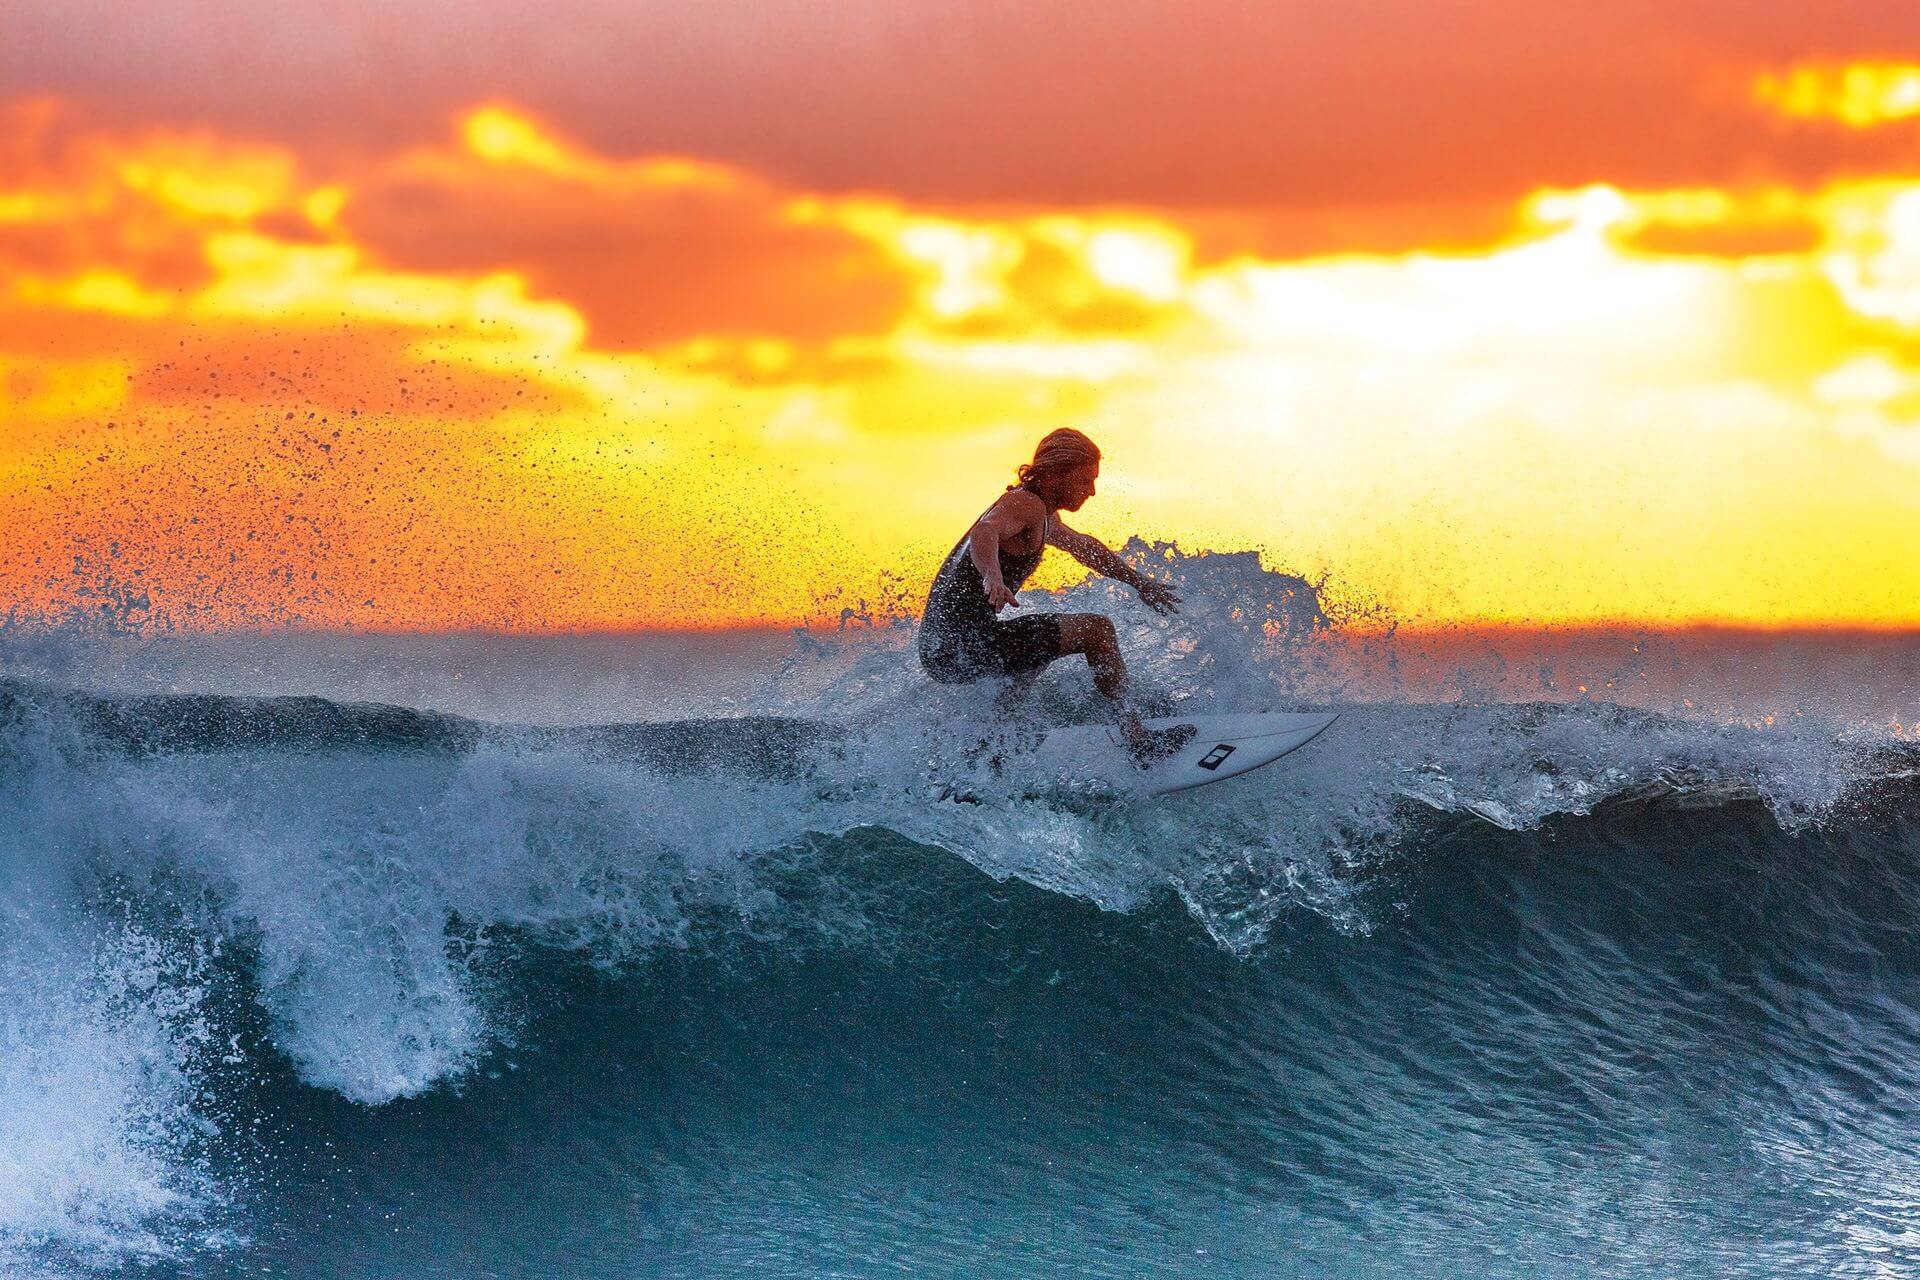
1087, 633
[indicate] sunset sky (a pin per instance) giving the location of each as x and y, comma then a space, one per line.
604, 313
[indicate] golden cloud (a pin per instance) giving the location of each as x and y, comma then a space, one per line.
1860, 95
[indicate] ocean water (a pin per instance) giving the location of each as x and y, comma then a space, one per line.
1559, 955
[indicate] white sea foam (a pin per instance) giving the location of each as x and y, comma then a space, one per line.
103, 1123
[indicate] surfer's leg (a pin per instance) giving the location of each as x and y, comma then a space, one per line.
1022, 648
1093, 635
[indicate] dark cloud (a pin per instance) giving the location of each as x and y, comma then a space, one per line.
1161, 102
646, 264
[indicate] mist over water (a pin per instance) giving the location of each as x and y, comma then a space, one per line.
1572, 953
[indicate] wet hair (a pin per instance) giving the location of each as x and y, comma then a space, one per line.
1058, 451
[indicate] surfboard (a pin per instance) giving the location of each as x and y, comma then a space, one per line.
1225, 746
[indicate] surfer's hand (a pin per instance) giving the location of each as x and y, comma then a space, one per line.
998, 596
1159, 597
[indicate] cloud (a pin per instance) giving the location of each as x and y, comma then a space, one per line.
132, 207
651, 252
1861, 95
1157, 103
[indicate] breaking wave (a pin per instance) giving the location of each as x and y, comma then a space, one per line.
208, 899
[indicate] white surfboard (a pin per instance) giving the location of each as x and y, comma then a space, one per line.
1225, 746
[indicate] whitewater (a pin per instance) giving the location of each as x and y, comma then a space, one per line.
708, 956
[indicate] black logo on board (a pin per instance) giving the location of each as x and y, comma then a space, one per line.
1216, 757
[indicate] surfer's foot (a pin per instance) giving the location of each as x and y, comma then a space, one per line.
1151, 746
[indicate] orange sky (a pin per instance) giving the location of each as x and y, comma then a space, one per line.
638, 315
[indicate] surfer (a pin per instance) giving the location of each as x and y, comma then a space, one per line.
961, 637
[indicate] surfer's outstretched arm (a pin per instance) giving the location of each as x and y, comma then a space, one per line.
1102, 559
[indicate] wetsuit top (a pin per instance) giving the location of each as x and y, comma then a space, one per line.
959, 596
961, 636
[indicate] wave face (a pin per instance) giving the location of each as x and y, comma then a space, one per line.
1498, 977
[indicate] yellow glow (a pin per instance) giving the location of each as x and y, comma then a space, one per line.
1148, 261
31, 206
683, 171
1094, 361
324, 205
269, 278
1873, 250
61, 389
502, 136
1588, 209
967, 263
203, 179
233, 200
107, 291
1860, 95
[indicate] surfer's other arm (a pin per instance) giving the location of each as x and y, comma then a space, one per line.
1102, 559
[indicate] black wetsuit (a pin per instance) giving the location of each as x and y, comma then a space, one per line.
962, 639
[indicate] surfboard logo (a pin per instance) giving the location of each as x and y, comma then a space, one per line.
1216, 757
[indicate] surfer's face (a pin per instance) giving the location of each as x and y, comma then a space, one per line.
1076, 486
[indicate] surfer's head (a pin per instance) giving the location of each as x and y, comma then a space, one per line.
1063, 471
